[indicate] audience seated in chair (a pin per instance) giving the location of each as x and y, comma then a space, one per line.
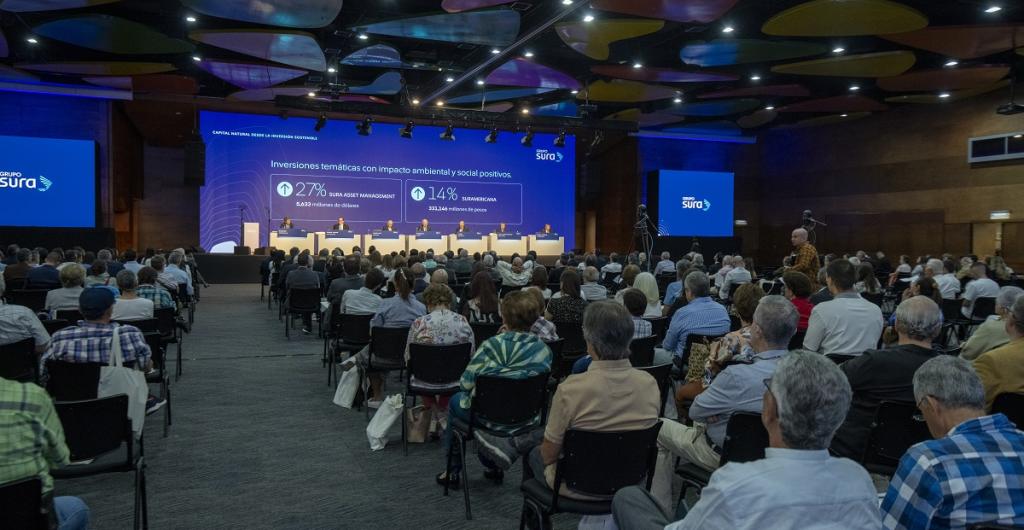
949, 286
847, 324
33, 443
45, 276
674, 290
514, 354
350, 280
992, 333
130, 306
398, 311
972, 472
648, 284
887, 374
738, 387
797, 289
591, 290
665, 265
302, 277
635, 303
543, 328
738, 274
482, 305
980, 286
700, 315
798, 485
567, 304
151, 290
515, 274
168, 283
19, 269
1002, 369
18, 323
628, 277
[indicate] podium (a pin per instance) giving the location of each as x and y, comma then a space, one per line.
547, 244
471, 241
508, 244
428, 240
296, 237
251, 235
385, 242
343, 239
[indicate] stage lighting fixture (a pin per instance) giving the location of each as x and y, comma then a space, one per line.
527, 140
321, 122
449, 133
560, 140
364, 128
406, 131
492, 137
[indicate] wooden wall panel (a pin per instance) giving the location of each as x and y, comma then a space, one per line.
1013, 244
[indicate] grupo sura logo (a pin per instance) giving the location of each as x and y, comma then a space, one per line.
693, 203
15, 180
285, 189
550, 156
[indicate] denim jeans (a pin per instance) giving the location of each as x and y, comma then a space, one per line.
72, 513
455, 411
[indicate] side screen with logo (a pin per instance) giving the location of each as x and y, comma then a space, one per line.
695, 203
47, 182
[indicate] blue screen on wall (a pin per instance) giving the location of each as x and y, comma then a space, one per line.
695, 203
277, 167
47, 182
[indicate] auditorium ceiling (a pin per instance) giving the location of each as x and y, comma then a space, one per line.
722, 67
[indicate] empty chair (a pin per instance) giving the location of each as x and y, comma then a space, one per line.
19, 361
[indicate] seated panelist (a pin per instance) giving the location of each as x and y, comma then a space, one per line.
389, 226
424, 226
462, 229
546, 229
502, 229
286, 223
340, 225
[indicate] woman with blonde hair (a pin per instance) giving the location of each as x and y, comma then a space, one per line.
648, 284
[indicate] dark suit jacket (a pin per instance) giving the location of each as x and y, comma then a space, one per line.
343, 227
462, 230
286, 269
43, 277
427, 229
287, 226
386, 229
340, 285
303, 278
18, 270
823, 295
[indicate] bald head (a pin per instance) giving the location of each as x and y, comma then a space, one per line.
799, 237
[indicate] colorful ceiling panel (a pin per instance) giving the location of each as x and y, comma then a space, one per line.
661, 75
155, 83
562, 108
594, 38
725, 52
621, 91
845, 18
701, 11
625, 115
709, 128
526, 73
111, 34
494, 27
498, 95
884, 64
757, 119
725, 107
267, 94
945, 79
498, 108
293, 48
954, 95
963, 42
250, 75
656, 119
387, 84
286, 13
837, 104
457, 6
27, 6
788, 91
99, 67
375, 56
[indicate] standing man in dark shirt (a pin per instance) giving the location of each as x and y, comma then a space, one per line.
887, 375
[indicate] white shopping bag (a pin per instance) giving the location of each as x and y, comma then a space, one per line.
117, 379
390, 411
597, 522
348, 385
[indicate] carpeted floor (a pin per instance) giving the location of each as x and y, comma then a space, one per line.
257, 443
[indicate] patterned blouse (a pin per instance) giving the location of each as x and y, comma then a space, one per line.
440, 326
567, 309
735, 346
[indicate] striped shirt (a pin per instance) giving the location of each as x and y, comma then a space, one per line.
973, 475
511, 354
31, 436
89, 342
160, 297
703, 316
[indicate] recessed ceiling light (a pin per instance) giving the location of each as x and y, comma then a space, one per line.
331, 69
854, 88
480, 82
32, 40
495, 51
566, 2
574, 92
994, 9
588, 18
525, 111
769, 107
677, 100
843, 115
638, 64
439, 103
415, 101
311, 94
363, 36
951, 63
190, 18
838, 49
1018, 136
197, 58
944, 95
449, 79
755, 77
728, 29
528, 54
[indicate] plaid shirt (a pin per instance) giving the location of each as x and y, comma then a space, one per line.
806, 261
89, 342
160, 297
973, 475
31, 435
544, 329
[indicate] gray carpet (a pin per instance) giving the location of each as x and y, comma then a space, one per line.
257, 443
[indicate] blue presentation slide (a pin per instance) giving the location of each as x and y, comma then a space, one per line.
275, 167
695, 203
47, 182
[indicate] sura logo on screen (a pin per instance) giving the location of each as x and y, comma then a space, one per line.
15, 180
549, 156
693, 203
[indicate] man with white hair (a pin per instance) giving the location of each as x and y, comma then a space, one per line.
887, 374
798, 485
738, 388
175, 271
718, 278
736, 276
972, 472
113, 267
991, 334
592, 291
666, 264
1002, 369
948, 284
804, 257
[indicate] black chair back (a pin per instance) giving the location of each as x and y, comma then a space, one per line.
642, 351
745, 438
1012, 405
731, 291
145, 325
797, 342
388, 345
874, 298
183, 292
897, 426
983, 308
71, 315
505, 289
94, 427
659, 325
15, 284
355, 329
601, 463
561, 366
572, 333
34, 299
55, 325
72, 381
951, 310
304, 300
661, 373
507, 401
19, 361
483, 331
438, 364
21, 504
166, 321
